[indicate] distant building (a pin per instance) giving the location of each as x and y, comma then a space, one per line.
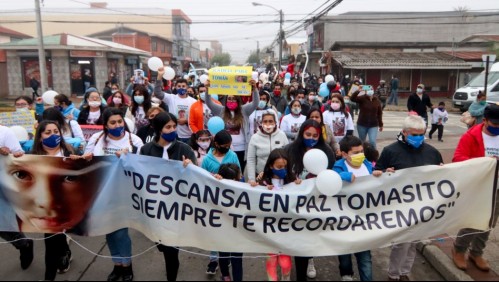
6, 36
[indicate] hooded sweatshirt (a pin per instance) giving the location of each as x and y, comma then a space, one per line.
212, 164
260, 147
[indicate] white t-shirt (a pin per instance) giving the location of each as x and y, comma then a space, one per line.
291, 125
358, 172
278, 184
255, 121
338, 123
109, 146
76, 129
9, 140
165, 152
180, 108
238, 140
439, 116
491, 145
93, 117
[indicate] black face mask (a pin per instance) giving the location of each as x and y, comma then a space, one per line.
223, 150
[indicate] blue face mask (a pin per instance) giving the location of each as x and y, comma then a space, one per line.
181, 91
262, 105
52, 142
169, 137
281, 173
60, 109
415, 141
139, 99
117, 132
202, 96
310, 143
493, 130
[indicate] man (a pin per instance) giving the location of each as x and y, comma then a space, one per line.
34, 84
480, 141
409, 151
419, 102
10, 145
382, 92
278, 100
200, 113
179, 105
394, 86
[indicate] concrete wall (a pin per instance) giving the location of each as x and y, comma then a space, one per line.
15, 76
60, 72
101, 72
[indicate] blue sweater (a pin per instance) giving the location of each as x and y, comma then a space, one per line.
341, 168
212, 165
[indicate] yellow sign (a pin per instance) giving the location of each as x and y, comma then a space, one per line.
232, 81
24, 118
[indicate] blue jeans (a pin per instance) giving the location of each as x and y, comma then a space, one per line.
372, 132
120, 246
364, 262
394, 97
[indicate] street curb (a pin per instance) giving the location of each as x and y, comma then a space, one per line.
442, 263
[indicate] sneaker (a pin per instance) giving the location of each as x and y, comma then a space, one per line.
347, 278
441, 140
65, 263
212, 268
311, 272
128, 273
117, 273
27, 255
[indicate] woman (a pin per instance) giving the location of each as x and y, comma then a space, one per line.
92, 111
291, 123
236, 118
66, 107
370, 119
255, 120
338, 119
148, 133
141, 104
48, 142
116, 140
477, 109
268, 138
328, 135
119, 100
310, 137
69, 129
313, 100
166, 146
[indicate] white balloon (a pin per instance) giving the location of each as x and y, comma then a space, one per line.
186, 77
169, 74
20, 132
287, 82
203, 79
315, 161
154, 63
49, 97
264, 78
130, 124
329, 78
329, 183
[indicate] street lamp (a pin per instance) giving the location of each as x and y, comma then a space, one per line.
281, 31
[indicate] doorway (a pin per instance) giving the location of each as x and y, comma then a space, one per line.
82, 72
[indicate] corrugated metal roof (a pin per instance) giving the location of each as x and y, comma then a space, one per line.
401, 60
72, 42
467, 55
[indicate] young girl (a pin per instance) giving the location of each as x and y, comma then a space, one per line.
338, 119
291, 123
277, 173
116, 140
92, 111
201, 144
230, 172
141, 103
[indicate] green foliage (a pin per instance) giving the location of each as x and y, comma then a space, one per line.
223, 59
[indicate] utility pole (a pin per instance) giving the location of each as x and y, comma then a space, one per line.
41, 48
281, 39
486, 75
258, 52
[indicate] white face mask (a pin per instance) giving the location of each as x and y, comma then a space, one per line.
311, 98
156, 100
204, 145
268, 128
420, 91
94, 104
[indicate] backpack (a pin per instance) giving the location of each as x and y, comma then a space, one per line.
467, 119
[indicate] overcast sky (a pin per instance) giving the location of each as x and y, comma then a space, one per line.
240, 40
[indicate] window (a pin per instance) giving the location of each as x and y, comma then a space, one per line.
163, 48
435, 80
154, 46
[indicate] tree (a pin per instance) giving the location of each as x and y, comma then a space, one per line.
223, 59
253, 59
462, 9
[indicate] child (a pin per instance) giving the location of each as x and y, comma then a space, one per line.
277, 173
440, 117
372, 155
230, 172
352, 166
201, 144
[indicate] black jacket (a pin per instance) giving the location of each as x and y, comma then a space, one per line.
419, 105
82, 119
176, 152
401, 155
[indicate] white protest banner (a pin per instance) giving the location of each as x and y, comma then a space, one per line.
89, 130
188, 207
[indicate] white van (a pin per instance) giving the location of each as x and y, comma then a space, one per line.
466, 95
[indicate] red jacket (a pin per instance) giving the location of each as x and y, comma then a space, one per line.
471, 145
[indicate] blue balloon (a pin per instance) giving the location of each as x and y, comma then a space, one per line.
324, 85
324, 92
215, 125
288, 75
